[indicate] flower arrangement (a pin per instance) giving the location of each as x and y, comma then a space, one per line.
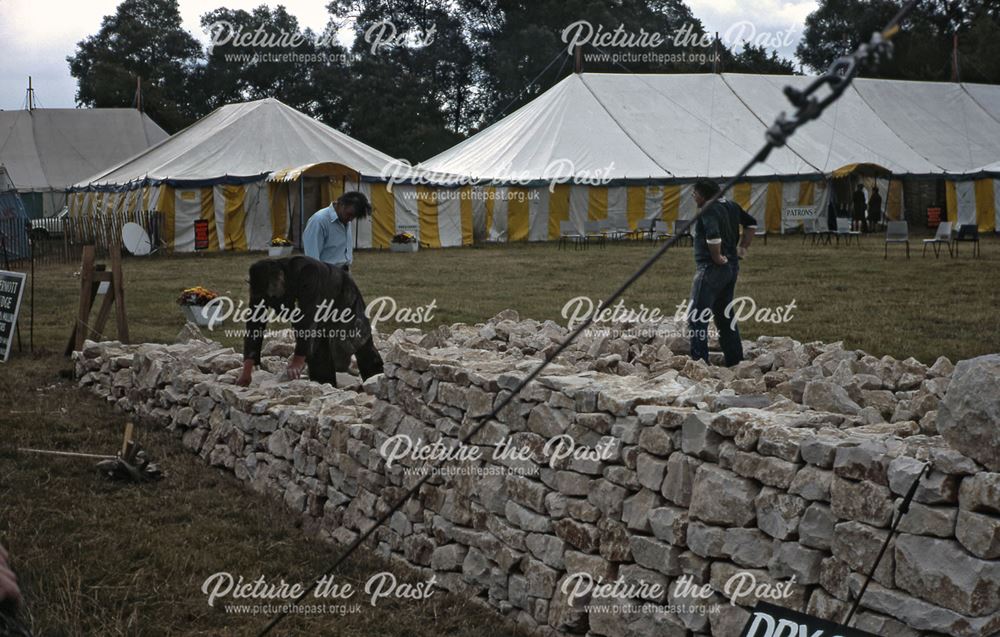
280, 242
404, 237
196, 296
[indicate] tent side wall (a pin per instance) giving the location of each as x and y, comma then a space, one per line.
974, 201
248, 216
502, 213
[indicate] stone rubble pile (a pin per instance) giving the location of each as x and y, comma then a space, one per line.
787, 468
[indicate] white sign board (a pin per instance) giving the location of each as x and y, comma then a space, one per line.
11, 290
800, 213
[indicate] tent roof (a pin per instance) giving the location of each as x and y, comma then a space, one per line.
640, 127
240, 142
53, 148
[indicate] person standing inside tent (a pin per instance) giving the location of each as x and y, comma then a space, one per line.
717, 252
859, 210
874, 210
328, 236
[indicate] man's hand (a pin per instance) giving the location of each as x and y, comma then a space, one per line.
246, 375
722, 260
742, 252
8, 581
295, 365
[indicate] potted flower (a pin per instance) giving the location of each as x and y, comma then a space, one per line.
280, 247
193, 302
404, 242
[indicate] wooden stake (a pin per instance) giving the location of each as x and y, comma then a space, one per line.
128, 437
71, 454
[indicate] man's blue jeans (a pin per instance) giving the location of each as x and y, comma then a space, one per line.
713, 289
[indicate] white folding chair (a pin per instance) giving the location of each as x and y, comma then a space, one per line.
943, 235
897, 232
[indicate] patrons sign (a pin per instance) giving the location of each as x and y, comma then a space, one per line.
11, 288
768, 620
800, 213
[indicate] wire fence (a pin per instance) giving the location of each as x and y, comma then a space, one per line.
61, 240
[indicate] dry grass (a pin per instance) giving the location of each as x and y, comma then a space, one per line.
102, 558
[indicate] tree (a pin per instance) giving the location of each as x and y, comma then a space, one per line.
261, 53
143, 39
756, 59
922, 50
515, 40
410, 75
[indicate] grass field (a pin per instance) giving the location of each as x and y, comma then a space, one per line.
98, 558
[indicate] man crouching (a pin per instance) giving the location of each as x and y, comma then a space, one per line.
329, 319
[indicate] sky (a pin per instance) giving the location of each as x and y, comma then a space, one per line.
36, 36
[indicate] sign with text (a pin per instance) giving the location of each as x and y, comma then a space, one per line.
768, 620
800, 213
11, 289
201, 236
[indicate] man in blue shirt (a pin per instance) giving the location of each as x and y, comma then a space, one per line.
328, 236
717, 252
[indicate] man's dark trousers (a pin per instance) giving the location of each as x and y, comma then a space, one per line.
713, 288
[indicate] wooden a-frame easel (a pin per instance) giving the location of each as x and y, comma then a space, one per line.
91, 277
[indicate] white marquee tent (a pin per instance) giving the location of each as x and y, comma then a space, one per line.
256, 171
626, 147
48, 150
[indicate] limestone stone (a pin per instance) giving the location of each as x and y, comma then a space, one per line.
747, 547
721, 497
656, 440
817, 526
706, 540
679, 482
778, 513
981, 493
863, 501
669, 524
867, 461
821, 449
979, 533
970, 411
656, 555
697, 439
614, 541
579, 535
922, 519
812, 483
635, 509
791, 559
526, 519
541, 578
650, 471
941, 572
923, 616
608, 497
826, 396
550, 550
449, 557
884, 626
858, 544
782, 442
769, 470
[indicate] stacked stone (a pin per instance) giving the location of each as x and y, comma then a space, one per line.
789, 465
699, 486
288, 439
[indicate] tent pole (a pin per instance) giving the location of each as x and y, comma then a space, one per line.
302, 210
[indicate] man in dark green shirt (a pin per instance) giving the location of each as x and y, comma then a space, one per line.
717, 252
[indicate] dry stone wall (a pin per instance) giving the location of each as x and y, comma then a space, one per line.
624, 464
